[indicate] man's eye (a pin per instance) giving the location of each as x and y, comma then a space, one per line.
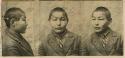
54, 19
93, 19
23, 19
62, 19
101, 19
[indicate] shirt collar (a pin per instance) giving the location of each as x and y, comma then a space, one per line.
105, 32
60, 35
12, 32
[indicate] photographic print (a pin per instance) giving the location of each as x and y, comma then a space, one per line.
62, 28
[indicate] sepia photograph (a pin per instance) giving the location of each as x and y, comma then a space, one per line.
62, 28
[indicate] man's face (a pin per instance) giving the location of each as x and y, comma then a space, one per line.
99, 21
20, 26
58, 21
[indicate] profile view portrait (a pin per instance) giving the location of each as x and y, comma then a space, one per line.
60, 41
13, 43
104, 41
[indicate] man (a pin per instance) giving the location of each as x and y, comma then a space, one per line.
60, 41
104, 41
13, 43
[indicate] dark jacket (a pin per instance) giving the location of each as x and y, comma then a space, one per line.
51, 47
105, 44
14, 44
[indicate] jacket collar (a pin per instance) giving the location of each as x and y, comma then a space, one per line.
19, 39
104, 33
59, 35
15, 34
97, 37
69, 40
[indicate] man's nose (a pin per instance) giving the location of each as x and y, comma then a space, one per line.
58, 22
96, 23
26, 24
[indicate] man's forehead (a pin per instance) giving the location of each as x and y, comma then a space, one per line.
58, 14
23, 16
99, 14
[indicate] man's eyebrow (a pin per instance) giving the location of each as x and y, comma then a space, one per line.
24, 16
100, 17
92, 17
54, 16
63, 17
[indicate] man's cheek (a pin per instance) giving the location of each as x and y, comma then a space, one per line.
101, 23
53, 25
64, 24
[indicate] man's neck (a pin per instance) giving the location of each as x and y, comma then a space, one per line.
104, 32
13, 31
61, 34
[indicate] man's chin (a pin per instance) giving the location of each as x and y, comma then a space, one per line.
98, 31
23, 32
58, 31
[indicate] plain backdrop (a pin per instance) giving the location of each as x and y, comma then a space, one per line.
79, 13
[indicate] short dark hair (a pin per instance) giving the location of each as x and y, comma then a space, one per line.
58, 9
12, 13
105, 10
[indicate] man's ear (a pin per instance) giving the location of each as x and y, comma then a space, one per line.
110, 21
12, 22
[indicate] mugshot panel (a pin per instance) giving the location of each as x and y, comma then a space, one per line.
78, 12
28, 8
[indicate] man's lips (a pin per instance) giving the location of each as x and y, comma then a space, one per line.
58, 28
97, 28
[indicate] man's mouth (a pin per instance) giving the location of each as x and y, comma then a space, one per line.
97, 28
58, 28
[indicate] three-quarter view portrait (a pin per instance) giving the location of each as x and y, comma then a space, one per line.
62, 28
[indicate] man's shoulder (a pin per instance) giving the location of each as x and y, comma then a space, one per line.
8, 40
71, 34
68, 34
115, 34
8, 43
